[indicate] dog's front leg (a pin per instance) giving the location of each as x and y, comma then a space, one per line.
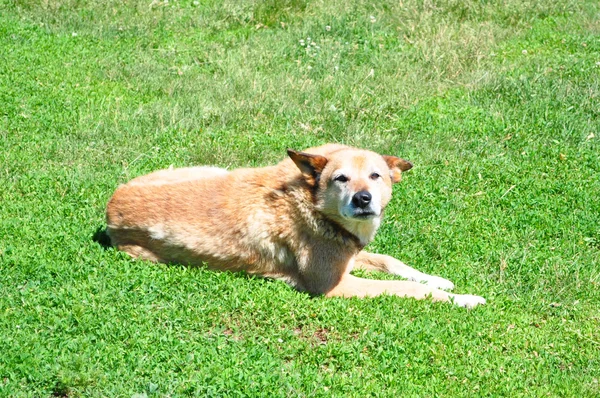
352, 286
383, 263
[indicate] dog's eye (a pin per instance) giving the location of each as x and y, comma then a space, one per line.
375, 176
341, 178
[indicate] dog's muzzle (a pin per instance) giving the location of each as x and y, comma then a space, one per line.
362, 205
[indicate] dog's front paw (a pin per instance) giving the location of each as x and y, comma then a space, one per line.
467, 300
438, 282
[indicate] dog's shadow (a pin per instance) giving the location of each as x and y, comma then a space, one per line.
102, 238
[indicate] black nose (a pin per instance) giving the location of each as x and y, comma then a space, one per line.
361, 199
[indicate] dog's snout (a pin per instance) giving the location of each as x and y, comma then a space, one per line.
361, 199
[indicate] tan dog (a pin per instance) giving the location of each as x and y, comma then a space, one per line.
304, 221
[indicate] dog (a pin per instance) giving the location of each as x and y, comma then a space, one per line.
305, 221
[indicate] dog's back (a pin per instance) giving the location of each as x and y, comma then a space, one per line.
211, 218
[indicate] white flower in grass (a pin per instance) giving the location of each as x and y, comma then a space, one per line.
328, 28
372, 18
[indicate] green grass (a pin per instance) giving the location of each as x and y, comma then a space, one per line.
496, 103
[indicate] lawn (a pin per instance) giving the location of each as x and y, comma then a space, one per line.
497, 104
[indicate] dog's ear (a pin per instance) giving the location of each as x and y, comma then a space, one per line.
397, 166
309, 164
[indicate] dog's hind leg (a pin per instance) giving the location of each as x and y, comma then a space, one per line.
352, 286
379, 262
139, 252
130, 242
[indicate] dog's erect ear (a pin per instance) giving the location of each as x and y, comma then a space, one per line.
310, 165
397, 166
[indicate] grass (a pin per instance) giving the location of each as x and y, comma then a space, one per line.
496, 103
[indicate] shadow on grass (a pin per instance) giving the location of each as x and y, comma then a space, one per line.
102, 238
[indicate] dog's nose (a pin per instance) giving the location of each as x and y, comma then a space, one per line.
361, 199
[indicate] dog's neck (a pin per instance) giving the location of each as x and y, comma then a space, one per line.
331, 229
335, 230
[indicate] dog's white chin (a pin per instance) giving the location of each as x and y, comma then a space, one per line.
364, 217
364, 228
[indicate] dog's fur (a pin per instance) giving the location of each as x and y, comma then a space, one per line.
304, 221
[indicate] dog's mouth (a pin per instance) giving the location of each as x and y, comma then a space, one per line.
364, 214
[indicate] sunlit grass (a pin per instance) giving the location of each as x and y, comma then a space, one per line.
495, 104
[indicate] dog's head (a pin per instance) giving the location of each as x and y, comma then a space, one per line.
353, 186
